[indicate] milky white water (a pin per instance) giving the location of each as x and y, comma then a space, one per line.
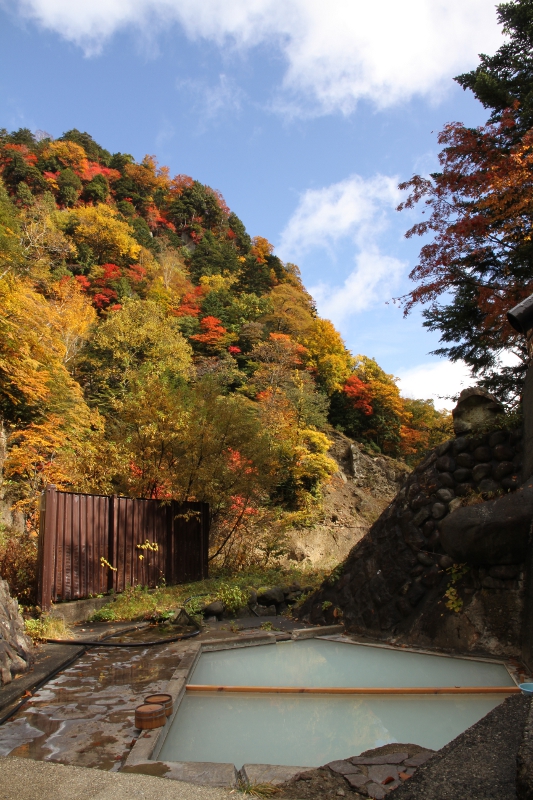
310, 730
316, 662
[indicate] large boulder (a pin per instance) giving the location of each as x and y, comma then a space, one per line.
476, 409
273, 596
16, 651
494, 532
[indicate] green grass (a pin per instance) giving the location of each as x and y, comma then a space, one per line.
46, 628
142, 603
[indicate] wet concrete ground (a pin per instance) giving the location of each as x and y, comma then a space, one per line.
85, 715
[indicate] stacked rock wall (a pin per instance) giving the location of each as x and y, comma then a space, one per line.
394, 582
16, 652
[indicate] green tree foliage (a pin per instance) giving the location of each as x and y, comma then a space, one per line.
505, 80
69, 187
135, 342
10, 249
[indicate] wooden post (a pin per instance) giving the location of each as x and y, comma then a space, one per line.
112, 549
46, 547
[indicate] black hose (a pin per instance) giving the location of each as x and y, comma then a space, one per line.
86, 645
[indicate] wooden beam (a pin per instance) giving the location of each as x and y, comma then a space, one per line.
198, 687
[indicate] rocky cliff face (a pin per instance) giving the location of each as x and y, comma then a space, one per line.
16, 651
400, 583
359, 491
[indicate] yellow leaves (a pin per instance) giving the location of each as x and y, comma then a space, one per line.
109, 238
291, 310
147, 545
313, 464
301, 459
69, 154
139, 339
26, 344
328, 355
44, 245
36, 391
217, 283
72, 317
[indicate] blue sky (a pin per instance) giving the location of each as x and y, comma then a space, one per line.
304, 115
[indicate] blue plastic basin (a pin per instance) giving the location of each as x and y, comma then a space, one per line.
527, 688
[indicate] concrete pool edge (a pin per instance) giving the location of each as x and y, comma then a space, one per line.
143, 757
143, 754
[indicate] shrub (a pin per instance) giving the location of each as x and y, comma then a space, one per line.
233, 597
18, 563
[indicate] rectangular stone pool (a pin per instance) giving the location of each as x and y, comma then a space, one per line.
312, 729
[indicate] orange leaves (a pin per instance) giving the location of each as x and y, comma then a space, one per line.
293, 349
359, 394
481, 217
277, 359
34, 452
179, 183
92, 169
101, 283
410, 440
477, 264
261, 248
213, 332
221, 203
21, 149
238, 463
148, 175
190, 305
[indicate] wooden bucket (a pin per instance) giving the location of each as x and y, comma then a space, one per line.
164, 700
150, 715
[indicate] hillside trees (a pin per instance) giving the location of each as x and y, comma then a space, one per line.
149, 346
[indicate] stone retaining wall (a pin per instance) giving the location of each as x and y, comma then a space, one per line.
16, 651
394, 581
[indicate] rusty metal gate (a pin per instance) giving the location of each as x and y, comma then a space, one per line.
93, 544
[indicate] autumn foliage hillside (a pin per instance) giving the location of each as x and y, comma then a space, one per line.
149, 346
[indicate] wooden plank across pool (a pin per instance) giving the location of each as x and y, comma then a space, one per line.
199, 687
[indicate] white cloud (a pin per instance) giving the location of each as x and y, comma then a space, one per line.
336, 53
212, 100
436, 381
354, 209
372, 281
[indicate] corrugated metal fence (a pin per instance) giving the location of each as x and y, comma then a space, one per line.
92, 544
